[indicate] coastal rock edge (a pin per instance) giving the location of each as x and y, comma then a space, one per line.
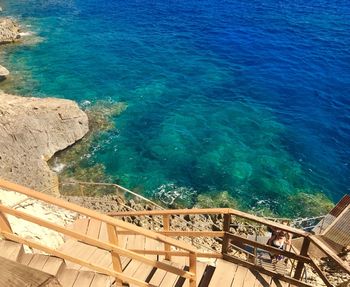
9, 30
32, 130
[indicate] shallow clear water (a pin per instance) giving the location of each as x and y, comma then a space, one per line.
251, 97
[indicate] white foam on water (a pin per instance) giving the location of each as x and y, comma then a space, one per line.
58, 167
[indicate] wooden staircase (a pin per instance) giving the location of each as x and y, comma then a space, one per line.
219, 273
102, 251
54, 266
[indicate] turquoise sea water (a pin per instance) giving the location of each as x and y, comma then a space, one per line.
249, 97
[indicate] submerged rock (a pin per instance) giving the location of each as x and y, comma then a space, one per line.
9, 31
32, 130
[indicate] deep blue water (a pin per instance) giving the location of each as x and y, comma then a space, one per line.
251, 97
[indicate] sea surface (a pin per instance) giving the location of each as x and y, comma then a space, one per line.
249, 97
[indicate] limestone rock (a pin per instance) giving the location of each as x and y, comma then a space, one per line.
32, 130
3, 73
9, 31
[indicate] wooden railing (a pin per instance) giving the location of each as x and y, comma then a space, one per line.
89, 189
299, 260
111, 246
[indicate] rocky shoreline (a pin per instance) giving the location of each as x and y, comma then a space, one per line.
32, 130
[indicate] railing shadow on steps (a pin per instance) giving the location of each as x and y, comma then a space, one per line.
298, 262
111, 246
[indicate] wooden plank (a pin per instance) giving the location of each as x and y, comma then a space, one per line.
206, 278
113, 238
223, 274
262, 280
85, 239
302, 258
193, 268
181, 233
336, 220
151, 244
104, 258
18, 275
249, 279
131, 268
159, 275
53, 265
277, 283
213, 211
170, 278
142, 273
68, 277
200, 270
84, 279
11, 250
320, 273
300, 265
81, 225
166, 227
103, 236
25, 258
239, 277
226, 227
94, 227
90, 213
330, 253
81, 251
67, 257
38, 261
4, 223
264, 271
101, 281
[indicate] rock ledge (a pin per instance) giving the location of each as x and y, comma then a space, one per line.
32, 130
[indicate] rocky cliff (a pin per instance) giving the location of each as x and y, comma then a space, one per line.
32, 130
9, 31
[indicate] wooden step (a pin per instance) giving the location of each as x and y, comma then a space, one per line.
67, 277
11, 250
102, 281
46, 263
54, 265
14, 274
224, 274
160, 275
84, 279
142, 273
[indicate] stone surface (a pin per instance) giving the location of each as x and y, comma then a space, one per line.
9, 31
3, 71
32, 130
39, 209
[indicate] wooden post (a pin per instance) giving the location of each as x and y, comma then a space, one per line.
226, 227
193, 268
81, 188
166, 227
4, 223
303, 252
117, 265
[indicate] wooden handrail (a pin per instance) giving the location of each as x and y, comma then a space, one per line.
269, 248
320, 273
330, 253
95, 242
223, 211
41, 247
93, 214
273, 274
113, 185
